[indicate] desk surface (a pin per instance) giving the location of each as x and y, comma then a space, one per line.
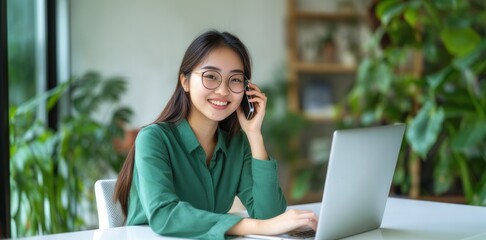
403, 219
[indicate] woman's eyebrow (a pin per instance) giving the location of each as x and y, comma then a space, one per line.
219, 70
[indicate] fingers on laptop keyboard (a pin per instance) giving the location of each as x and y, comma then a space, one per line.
306, 218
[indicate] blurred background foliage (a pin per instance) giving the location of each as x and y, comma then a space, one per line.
52, 171
426, 67
281, 129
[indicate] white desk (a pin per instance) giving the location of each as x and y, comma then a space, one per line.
403, 219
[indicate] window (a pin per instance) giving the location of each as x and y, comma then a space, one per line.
28, 52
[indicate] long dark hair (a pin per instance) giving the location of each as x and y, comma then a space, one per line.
179, 104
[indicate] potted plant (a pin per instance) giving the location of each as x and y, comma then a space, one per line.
53, 171
426, 68
327, 46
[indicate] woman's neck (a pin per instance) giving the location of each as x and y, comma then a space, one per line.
205, 131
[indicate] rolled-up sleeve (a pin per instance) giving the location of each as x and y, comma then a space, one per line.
260, 189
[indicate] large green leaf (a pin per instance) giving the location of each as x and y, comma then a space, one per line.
444, 170
363, 72
466, 61
460, 41
412, 16
470, 135
383, 77
436, 79
122, 114
49, 97
386, 10
423, 130
113, 88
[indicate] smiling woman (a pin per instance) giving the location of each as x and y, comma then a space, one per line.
154, 41
186, 168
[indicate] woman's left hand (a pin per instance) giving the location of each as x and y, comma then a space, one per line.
260, 102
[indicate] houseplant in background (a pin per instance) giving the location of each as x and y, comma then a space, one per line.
53, 171
441, 97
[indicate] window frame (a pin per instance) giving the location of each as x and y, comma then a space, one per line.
4, 128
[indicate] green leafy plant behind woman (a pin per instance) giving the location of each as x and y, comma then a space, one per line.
53, 171
441, 96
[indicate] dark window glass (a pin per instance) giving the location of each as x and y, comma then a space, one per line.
21, 20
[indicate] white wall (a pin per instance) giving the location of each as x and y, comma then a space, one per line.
144, 41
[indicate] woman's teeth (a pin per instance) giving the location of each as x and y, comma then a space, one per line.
219, 103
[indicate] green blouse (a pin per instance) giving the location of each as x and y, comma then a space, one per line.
178, 195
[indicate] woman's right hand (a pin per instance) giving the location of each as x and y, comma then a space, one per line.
290, 220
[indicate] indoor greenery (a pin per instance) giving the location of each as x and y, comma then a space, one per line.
426, 67
52, 171
281, 128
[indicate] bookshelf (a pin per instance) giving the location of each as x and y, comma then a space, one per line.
324, 47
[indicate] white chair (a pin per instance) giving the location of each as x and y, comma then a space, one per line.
109, 211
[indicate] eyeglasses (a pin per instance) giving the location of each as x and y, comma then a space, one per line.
212, 79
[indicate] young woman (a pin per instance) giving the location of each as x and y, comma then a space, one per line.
186, 168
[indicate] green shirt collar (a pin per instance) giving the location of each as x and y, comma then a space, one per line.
187, 134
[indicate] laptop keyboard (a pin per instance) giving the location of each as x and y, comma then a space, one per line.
303, 234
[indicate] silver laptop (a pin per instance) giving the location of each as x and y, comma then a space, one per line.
359, 175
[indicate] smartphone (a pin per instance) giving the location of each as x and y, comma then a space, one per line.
248, 107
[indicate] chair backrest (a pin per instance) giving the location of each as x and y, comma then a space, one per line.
109, 211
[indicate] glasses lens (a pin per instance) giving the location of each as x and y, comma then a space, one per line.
237, 83
211, 79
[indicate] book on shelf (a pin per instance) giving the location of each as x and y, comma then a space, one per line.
317, 100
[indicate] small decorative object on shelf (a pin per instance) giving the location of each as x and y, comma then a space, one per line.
317, 99
327, 45
346, 6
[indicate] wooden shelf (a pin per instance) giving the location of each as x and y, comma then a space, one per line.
319, 119
324, 67
306, 30
327, 16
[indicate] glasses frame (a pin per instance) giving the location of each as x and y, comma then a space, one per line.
245, 80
